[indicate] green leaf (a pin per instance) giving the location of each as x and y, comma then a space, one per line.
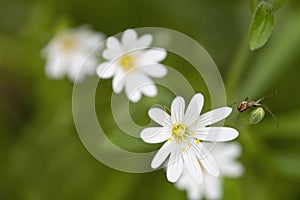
167, 110
262, 25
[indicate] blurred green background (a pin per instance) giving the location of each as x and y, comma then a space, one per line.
42, 156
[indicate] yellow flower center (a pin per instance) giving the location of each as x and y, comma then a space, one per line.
178, 130
180, 133
127, 62
68, 43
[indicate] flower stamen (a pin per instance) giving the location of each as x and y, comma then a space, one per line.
179, 130
127, 62
68, 43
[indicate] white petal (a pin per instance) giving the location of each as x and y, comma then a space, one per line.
232, 169
175, 165
177, 110
56, 67
227, 151
194, 109
137, 83
217, 134
161, 155
106, 70
156, 55
213, 188
155, 134
154, 70
110, 54
195, 192
129, 39
226, 155
54, 71
213, 116
113, 44
119, 81
133, 93
206, 159
160, 117
144, 41
149, 89
193, 166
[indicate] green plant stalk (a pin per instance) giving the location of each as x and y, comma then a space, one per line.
237, 68
275, 59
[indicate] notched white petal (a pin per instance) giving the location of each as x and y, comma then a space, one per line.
144, 41
175, 165
160, 116
149, 89
133, 95
194, 109
109, 54
129, 39
217, 134
119, 81
177, 110
113, 43
214, 189
105, 70
213, 116
155, 70
155, 134
156, 55
232, 169
161, 155
206, 159
193, 166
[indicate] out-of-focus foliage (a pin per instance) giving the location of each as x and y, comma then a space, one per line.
42, 156
262, 25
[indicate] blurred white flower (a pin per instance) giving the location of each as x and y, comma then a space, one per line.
185, 132
211, 188
131, 64
69, 53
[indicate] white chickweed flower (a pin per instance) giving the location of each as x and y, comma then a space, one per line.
131, 64
211, 188
185, 132
69, 51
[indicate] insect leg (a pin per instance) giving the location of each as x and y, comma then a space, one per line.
270, 112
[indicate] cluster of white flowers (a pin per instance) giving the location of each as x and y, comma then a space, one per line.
130, 61
192, 165
70, 50
211, 188
131, 65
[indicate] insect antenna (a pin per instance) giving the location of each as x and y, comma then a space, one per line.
267, 96
234, 103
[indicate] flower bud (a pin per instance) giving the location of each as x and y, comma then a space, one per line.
256, 115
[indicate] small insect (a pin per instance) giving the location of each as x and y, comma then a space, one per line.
258, 114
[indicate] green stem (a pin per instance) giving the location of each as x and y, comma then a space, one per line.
237, 67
